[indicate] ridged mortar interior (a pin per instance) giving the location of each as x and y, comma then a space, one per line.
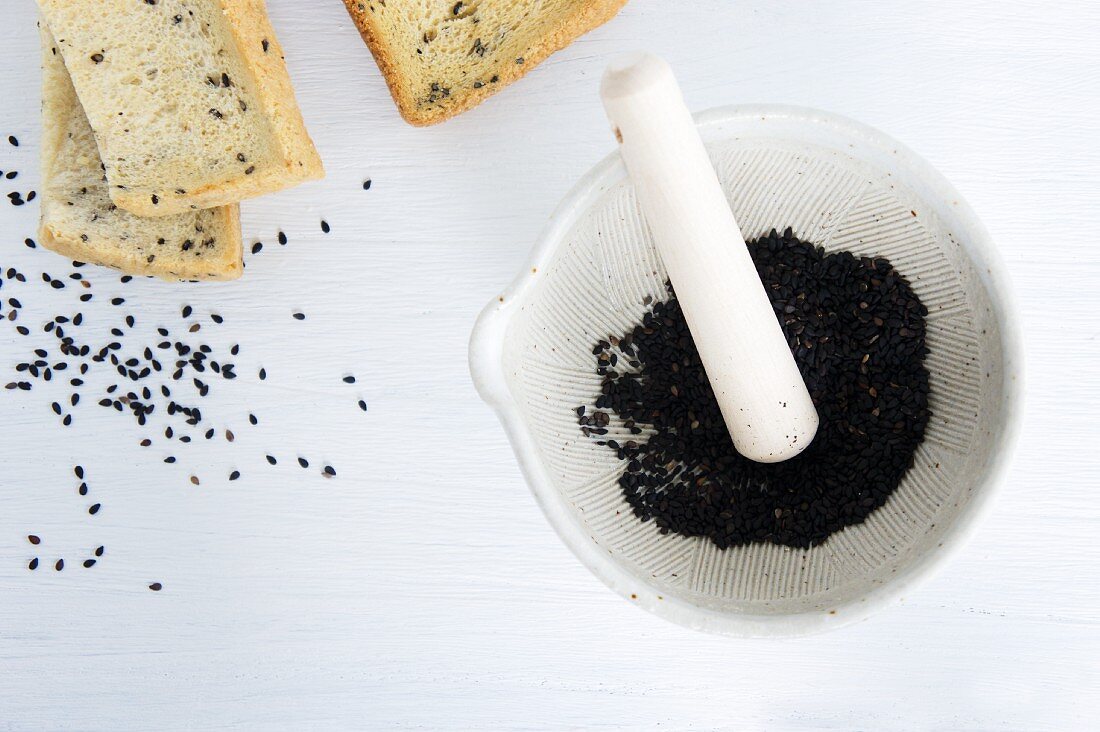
594, 286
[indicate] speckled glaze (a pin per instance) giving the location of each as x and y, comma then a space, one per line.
841, 185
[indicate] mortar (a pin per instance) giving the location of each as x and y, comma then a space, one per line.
838, 184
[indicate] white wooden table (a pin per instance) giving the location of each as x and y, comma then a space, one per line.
421, 588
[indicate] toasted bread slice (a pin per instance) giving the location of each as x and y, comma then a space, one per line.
80, 221
189, 100
442, 57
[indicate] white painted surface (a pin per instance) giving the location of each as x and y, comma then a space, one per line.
422, 588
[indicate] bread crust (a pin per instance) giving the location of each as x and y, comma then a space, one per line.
593, 14
131, 263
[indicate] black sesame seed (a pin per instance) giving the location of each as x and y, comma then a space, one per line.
33, 565
89, 563
93, 509
271, 459
299, 316
59, 565
234, 475
257, 247
156, 587
34, 539
349, 379
282, 238
99, 551
325, 228
330, 471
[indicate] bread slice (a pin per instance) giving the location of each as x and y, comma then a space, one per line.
442, 57
189, 100
80, 221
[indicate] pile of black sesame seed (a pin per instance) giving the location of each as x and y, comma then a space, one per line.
857, 331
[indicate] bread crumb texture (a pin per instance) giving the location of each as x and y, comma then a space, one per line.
442, 57
80, 221
189, 100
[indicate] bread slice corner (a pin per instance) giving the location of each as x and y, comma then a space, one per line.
443, 57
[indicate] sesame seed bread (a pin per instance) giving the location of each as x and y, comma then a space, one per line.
189, 100
80, 221
442, 57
